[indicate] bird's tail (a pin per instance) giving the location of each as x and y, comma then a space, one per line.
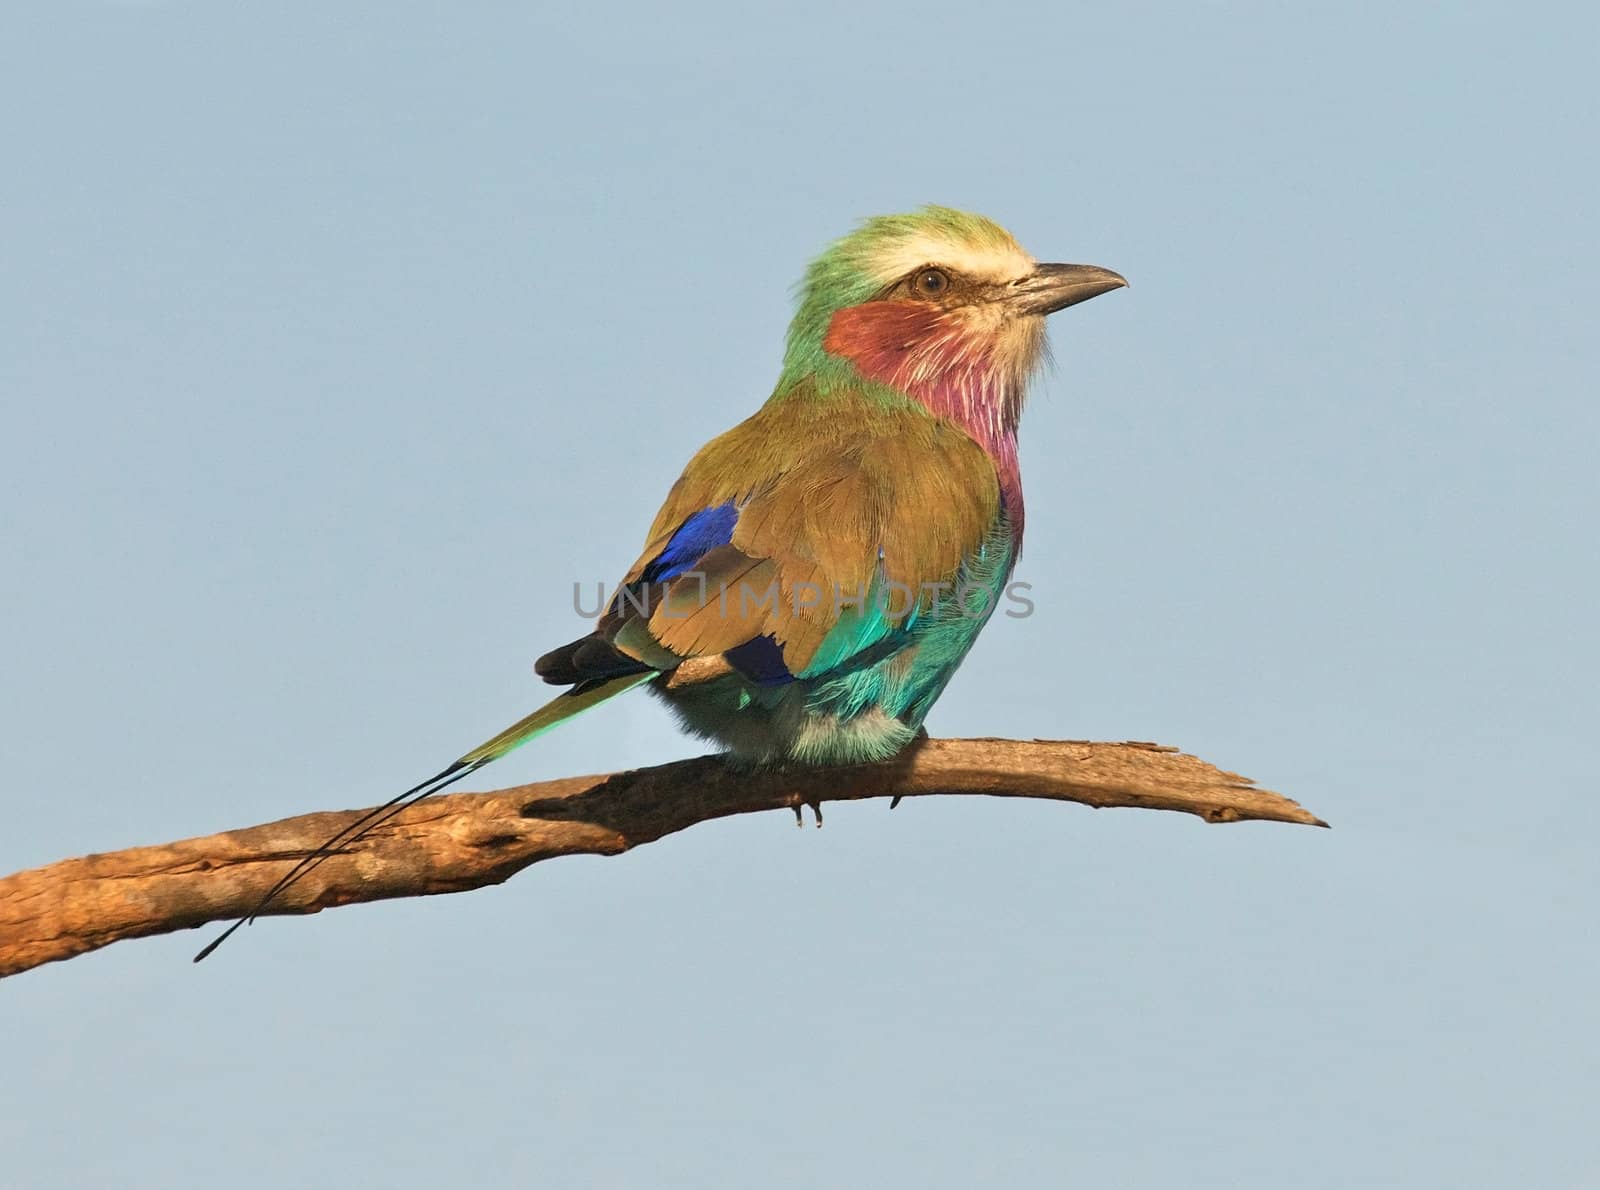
564, 706
558, 710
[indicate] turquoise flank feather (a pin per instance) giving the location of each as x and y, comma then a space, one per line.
905, 684
863, 622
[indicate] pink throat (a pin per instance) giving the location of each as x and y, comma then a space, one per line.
934, 359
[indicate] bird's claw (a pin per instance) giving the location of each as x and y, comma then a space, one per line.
816, 809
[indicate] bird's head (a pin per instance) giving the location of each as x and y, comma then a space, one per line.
940, 304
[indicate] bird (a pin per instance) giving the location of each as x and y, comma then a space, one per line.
818, 572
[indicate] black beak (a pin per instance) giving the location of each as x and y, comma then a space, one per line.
1052, 287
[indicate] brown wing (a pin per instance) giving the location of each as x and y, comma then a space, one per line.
832, 493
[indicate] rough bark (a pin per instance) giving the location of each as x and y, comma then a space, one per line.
461, 841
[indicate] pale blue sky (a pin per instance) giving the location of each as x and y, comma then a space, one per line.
340, 339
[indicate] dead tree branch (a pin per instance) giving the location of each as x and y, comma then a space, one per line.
462, 841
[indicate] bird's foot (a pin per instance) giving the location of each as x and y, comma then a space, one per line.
816, 809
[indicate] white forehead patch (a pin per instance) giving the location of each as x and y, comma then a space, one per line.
993, 261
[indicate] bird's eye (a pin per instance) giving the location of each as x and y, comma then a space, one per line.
931, 283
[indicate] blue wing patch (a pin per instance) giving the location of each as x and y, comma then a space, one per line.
700, 533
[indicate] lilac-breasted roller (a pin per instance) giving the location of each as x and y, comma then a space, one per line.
818, 572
